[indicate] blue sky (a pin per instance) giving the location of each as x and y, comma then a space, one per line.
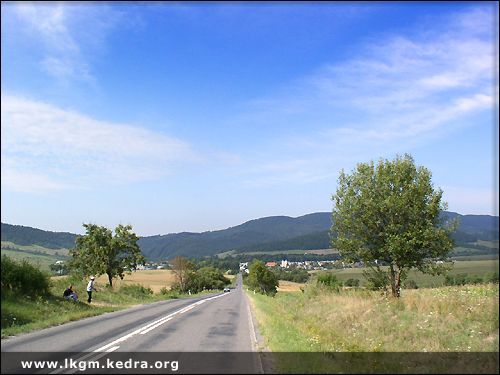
199, 116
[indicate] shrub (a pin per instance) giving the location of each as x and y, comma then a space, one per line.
330, 280
352, 282
377, 279
170, 293
491, 277
295, 275
136, 290
23, 278
411, 284
462, 279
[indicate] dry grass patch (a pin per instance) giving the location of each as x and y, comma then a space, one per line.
154, 279
290, 286
447, 319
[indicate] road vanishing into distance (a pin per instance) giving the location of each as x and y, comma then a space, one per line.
220, 325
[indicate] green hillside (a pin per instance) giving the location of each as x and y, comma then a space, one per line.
476, 235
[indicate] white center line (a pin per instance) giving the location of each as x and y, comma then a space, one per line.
110, 347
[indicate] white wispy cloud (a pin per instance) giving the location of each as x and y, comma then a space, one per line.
396, 93
48, 148
68, 35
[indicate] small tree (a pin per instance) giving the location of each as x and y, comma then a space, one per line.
261, 279
183, 270
391, 213
98, 252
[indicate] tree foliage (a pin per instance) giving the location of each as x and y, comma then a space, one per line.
261, 279
100, 252
390, 212
188, 278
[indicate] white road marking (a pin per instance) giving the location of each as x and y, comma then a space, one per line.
143, 330
153, 327
155, 324
260, 369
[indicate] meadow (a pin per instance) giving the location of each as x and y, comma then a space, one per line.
445, 319
471, 267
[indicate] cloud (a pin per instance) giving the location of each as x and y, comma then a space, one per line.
397, 92
69, 35
49, 148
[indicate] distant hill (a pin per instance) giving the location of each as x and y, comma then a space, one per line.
273, 233
28, 236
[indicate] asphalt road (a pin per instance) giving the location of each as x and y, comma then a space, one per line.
220, 325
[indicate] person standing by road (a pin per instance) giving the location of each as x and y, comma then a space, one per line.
90, 288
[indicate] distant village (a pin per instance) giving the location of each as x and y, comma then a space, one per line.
306, 265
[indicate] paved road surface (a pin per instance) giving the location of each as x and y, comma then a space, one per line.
218, 323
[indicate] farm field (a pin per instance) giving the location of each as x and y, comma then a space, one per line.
6, 245
290, 286
154, 279
43, 261
471, 267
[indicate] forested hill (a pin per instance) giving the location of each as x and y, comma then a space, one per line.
266, 234
27, 236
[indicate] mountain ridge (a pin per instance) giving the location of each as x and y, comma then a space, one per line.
305, 232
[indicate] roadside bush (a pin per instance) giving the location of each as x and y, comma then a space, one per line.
294, 275
352, 282
410, 284
136, 290
23, 278
329, 280
170, 293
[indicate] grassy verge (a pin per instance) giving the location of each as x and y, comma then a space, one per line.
447, 319
22, 314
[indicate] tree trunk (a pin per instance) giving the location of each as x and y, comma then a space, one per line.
395, 281
110, 280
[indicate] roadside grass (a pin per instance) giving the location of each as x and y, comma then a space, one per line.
21, 314
446, 319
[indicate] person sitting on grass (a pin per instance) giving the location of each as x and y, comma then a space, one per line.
69, 293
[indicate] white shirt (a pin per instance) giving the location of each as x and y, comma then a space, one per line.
90, 286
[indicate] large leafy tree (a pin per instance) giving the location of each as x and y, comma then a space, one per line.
100, 252
390, 212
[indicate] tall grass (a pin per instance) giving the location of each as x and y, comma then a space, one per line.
461, 319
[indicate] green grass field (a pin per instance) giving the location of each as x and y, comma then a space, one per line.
34, 248
471, 267
42, 261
